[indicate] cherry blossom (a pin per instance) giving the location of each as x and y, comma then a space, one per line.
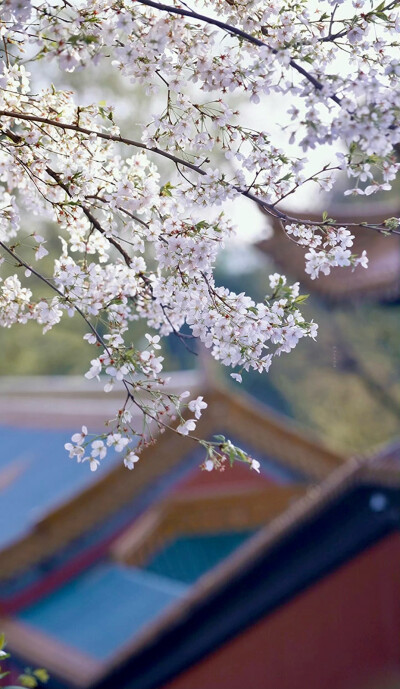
197, 406
141, 221
130, 460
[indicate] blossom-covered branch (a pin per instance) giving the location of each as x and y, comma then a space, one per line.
234, 31
139, 219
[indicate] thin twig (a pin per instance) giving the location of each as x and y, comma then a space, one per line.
95, 223
41, 277
270, 209
241, 34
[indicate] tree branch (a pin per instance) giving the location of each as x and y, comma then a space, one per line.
241, 34
91, 217
41, 277
270, 209
129, 142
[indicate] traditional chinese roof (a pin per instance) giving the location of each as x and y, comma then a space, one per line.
118, 624
129, 582
155, 530
53, 502
351, 511
380, 282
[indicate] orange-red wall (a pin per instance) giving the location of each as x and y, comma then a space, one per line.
340, 634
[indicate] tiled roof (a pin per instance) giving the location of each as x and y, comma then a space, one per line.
98, 612
108, 611
53, 501
61, 503
36, 477
186, 558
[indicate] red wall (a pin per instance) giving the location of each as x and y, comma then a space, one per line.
342, 633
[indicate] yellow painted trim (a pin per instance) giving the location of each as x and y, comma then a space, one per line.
202, 514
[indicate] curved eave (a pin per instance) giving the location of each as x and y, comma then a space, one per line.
331, 523
249, 422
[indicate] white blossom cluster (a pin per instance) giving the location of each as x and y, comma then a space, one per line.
136, 243
329, 247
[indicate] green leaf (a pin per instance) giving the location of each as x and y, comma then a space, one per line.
301, 298
41, 674
28, 681
352, 147
166, 189
242, 455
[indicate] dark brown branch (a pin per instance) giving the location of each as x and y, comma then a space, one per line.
270, 209
241, 34
41, 277
102, 135
92, 219
129, 142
